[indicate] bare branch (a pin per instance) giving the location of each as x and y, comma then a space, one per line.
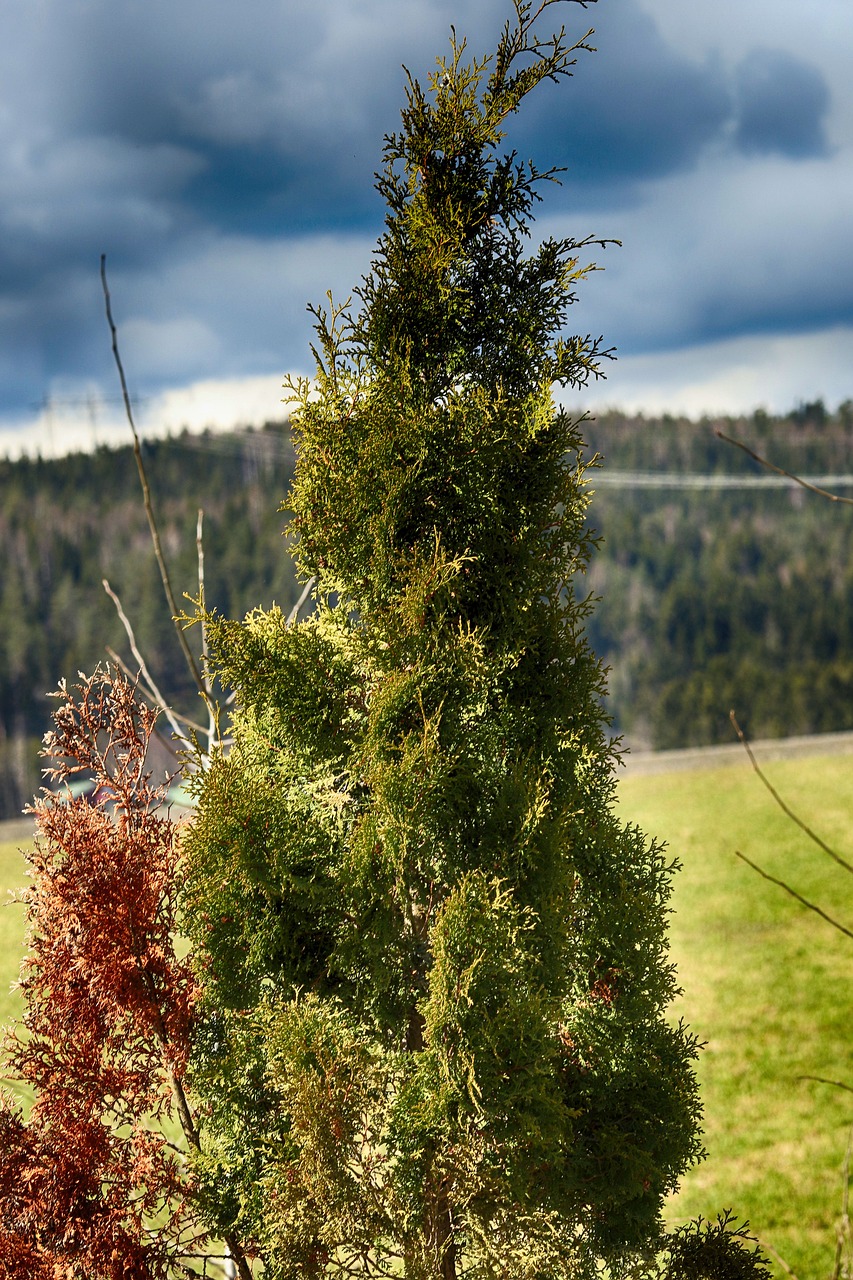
199, 543
157, 696
788, 812
765, 875
843, 1235
294, 612
146, 491
150, 695
780, 471
212, 725
837, 1084
782, 1263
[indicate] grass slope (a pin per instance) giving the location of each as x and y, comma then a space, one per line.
767, 985
12, 923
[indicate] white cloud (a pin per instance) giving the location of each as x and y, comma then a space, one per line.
729, 377
734, 376
731, 247
83, 417
167, 348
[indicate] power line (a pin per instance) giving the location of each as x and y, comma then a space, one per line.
697, 480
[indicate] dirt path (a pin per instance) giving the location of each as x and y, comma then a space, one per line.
818, 744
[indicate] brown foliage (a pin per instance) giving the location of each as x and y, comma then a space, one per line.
91, 1183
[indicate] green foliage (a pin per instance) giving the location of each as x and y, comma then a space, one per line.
714, 1251
434, 1020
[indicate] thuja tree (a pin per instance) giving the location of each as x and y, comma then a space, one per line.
433, 1038
95, 1176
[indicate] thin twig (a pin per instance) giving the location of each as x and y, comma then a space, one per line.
780, 471
146, 491
844, 1225
789, 813
843, 1232
306, 591
199, 544
782, 1263
212, 726
146, 674
131, 674
837, 1084
805, 902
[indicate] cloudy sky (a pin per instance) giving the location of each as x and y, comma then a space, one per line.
222, 156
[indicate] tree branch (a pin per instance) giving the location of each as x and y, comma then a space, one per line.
837, 1084
156, 695
212, 730
843, 1237
199, 543
146, 491
294, 612
782, 1263
765, 875
789, 813
149, 694
780, 471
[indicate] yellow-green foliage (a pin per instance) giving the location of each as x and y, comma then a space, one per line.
434, 1034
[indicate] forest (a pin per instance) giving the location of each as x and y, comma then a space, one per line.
66, 524
707, 598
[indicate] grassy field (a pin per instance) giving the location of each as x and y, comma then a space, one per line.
767, 985
12, 876
12, 923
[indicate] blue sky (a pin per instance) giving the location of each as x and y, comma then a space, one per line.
222, 157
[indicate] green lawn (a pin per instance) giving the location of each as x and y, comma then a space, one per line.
12, 925
767, 985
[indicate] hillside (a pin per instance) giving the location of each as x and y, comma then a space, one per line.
709, 597
714, 597
66, 524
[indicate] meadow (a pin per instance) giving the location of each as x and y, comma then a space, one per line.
766, 985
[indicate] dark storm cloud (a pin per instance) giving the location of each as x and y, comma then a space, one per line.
782, 104
190, 137
636, 109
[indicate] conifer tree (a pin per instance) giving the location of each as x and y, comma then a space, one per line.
432, 1039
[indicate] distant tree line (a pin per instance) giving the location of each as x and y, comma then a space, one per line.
708, 598
713, 598
68, 523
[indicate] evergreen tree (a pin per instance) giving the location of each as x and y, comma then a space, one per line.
432, 1040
